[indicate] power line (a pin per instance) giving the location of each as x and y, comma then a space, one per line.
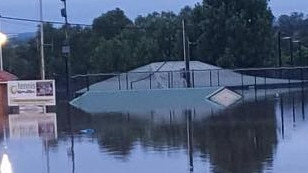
39, 21
79, 24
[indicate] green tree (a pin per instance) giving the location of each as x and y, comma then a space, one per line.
242, 26
161, 29
111, 23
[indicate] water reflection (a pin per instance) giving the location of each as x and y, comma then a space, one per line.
245, 138
188, 114
33, 125
292, 109
240, 140
5, 166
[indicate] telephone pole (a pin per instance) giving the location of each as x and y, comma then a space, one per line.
66, 50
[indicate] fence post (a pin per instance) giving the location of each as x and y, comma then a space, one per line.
126, 76
193, 78
218, 78
88, 82
172, 79
265, 84
242, 79
255, 82
150, 81
211, 78
169, 85
119, 80
256, 94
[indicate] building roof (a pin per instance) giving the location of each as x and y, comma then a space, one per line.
6, 76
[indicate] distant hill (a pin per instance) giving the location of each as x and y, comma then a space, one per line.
25, 36
21, 38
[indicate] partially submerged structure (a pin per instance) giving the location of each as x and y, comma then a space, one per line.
163, 85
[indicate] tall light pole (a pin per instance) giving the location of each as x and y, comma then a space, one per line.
3, 39
42, 42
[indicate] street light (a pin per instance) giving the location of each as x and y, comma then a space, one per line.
3, 39
291, 47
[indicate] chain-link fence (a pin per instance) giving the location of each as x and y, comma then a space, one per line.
243, 78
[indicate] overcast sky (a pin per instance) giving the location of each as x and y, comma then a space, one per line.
84, 11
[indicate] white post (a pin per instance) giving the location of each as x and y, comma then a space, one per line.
1, 58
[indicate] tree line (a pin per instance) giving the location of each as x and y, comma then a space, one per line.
226, 33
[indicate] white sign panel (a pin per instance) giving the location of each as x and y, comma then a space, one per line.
31, 92
33, 125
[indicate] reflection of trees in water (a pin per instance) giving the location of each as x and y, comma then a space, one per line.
240, 140
117, 134
165, 137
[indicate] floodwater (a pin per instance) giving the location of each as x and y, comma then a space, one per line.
268, 135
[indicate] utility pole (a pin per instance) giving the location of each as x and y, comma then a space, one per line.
66, 50
42, 42
186, 60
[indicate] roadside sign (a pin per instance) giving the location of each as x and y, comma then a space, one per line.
31, 92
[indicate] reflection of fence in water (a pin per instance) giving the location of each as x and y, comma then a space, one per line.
291, 110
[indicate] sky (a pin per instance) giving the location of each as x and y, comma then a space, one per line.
84, 11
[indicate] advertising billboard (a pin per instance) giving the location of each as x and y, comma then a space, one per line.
31, 92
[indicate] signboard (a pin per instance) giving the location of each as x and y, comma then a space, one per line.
224, 97
33, 125
31, 92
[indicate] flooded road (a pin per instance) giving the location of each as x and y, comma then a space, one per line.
265, 135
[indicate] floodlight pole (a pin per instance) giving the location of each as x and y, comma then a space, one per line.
42, 42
